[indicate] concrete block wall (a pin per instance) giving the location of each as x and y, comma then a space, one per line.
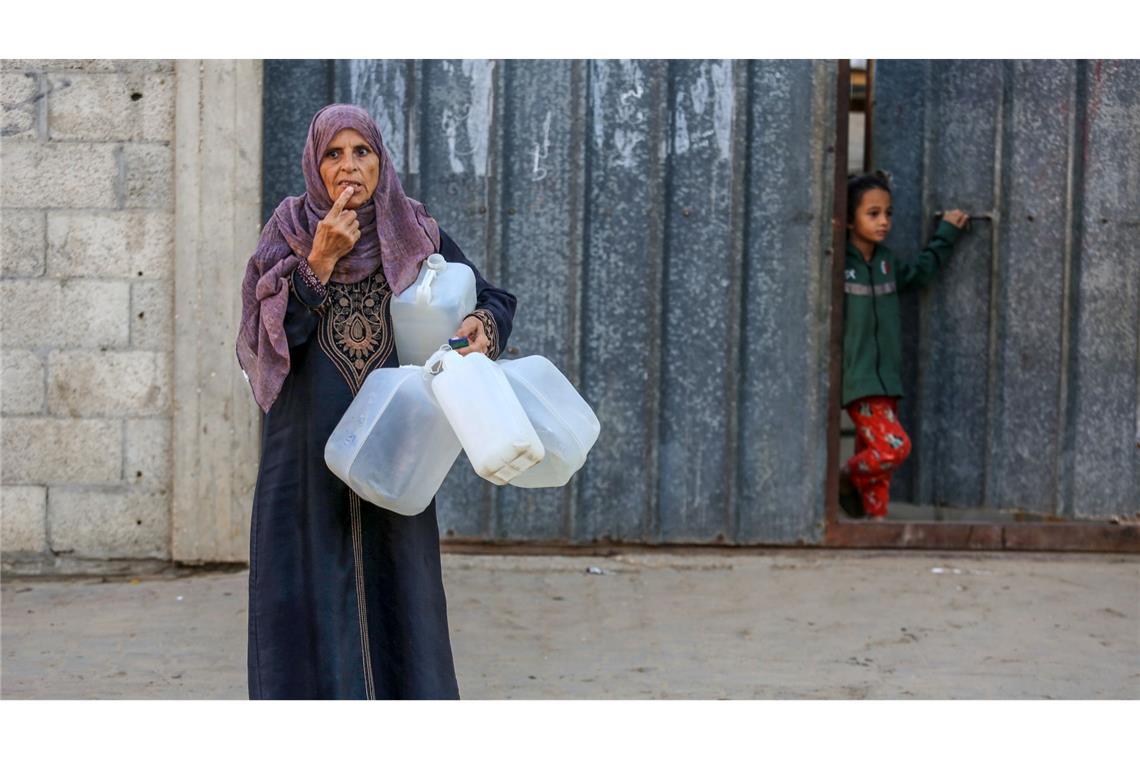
86, 303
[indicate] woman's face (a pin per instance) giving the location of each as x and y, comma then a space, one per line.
349, 161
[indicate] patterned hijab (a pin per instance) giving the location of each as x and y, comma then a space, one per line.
397, 234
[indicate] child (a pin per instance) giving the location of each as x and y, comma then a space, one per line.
872, 345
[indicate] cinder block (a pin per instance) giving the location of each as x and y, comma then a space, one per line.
60, 64
65, 314
150, 454
112, 523
150, 176
90, 65
22, 387
94, 314
108, 383
110, 244
44, 450
22, 245
29, 307
117, 106
58, 175
152, 315
23, 518
154, 65
19, 96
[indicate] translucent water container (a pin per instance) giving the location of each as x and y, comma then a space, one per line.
486, 416
565, 423
393, 446
429, 311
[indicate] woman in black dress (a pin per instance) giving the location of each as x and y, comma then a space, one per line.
346, 599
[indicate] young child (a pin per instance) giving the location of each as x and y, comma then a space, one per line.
872, 346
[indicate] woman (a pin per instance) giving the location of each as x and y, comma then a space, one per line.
345, 598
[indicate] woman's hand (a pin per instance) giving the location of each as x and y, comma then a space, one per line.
336, 234
957, 218
472, 329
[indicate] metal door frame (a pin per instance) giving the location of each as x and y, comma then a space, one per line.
1097, 536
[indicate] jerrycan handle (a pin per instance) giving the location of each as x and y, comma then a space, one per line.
435, 264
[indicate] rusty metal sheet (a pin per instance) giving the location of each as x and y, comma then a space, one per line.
661, 222
1030, 295
835, 325
701, 298
459, 156
621, 307
543, 182
1074, 536
1024, 363
1105, 356
956, 316
783, 367
898, 147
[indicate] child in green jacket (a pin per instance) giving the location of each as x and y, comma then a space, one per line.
872, 343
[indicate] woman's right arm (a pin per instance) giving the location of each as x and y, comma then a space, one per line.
307, 296
336, 234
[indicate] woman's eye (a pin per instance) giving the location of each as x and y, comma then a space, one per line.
362, 151
332, 154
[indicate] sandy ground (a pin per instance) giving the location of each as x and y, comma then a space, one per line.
780, 624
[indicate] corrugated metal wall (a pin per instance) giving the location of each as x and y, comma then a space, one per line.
662, 223
1024, 356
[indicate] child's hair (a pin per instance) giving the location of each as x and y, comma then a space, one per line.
858, 185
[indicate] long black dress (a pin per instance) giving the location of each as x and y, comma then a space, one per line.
345, 598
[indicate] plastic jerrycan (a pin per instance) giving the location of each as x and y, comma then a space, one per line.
429, 311
486, 416
565, 423
393, 446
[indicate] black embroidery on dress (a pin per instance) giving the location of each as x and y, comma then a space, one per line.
355, 331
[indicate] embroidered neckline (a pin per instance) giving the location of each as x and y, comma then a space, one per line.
355, 332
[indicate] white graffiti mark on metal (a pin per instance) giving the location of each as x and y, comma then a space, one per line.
479, 114
619, 90
542, 150
380, 88
724, 105
466, 124
708, 101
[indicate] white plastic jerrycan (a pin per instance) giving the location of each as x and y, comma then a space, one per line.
485, 415
565, 423
394, 446
430, 310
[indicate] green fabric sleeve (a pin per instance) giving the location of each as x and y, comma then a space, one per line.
919, 271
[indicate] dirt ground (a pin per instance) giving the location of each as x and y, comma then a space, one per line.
744, 625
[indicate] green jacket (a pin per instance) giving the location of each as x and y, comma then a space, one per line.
872, 329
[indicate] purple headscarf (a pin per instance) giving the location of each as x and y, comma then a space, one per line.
396, 233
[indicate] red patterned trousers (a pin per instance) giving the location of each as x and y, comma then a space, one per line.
881, 445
